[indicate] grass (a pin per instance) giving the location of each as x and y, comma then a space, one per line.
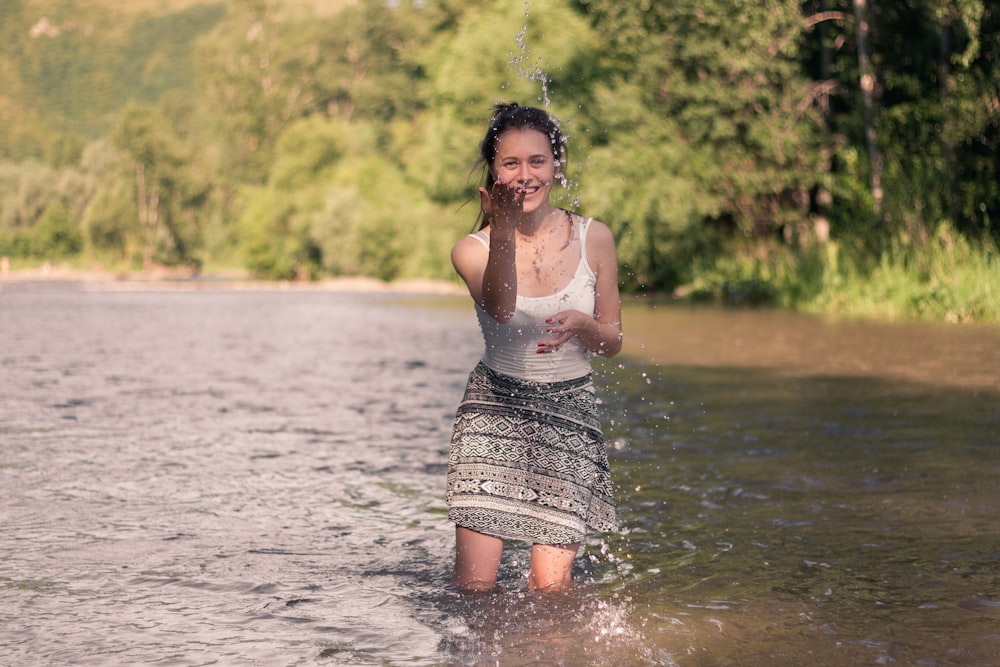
947, 278
135, 8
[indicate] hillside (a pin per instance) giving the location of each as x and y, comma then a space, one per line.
69, 66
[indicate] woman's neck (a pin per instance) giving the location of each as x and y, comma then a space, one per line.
534, 222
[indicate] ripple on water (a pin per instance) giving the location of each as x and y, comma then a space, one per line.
258, 478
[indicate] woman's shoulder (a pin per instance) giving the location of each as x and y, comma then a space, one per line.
479, 239
472, 246
597, 231
600, 246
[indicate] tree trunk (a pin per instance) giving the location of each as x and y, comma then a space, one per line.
140, 192
867, 71
149, 214
153, 209
947, 88
821, 197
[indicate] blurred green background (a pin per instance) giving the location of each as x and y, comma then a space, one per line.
828, 156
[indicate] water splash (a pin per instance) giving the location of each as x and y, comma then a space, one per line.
557, 628
535, 72
519, 62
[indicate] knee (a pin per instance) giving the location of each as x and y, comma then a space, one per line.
474, 586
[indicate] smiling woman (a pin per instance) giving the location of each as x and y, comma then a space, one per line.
528, 459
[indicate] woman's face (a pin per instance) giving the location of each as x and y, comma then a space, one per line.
524, 159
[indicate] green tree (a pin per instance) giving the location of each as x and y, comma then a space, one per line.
718, 112
166, 194
335, 205
969, 69
363, 62
254, 86
274, 245
932, 106
110, 228
26, 189
643, 180
56, 234
36, 200
278, 238
111, 231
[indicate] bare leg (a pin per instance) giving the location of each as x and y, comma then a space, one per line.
552, 566
477, 559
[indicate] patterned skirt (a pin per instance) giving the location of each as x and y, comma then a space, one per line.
528, 460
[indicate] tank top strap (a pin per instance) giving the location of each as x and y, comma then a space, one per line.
584, 226
584, 262
482, 237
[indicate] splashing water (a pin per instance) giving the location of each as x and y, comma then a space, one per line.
519, 62
620, 567
536, 73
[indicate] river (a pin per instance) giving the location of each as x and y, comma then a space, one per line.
199, 475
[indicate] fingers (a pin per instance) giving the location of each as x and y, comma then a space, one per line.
485, 202
502, 203
561, 325
501, 198
504, 192
549, 346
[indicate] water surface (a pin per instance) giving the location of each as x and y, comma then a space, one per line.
208, 476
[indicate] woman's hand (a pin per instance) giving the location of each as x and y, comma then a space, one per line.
502, 206
597, 336
565, 325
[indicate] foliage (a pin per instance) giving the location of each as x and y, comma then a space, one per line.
333, 206
948, 278
167, 194
726, 142
706, 129
110, 231
77, 64
56, 234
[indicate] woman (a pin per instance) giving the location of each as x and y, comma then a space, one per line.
528, 459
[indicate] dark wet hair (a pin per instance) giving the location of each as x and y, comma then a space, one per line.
512, 116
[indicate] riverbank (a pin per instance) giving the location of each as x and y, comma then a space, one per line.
947, 278
948, 283
185, 279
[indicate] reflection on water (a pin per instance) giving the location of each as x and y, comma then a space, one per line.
838, 506
792, 344
578, 627
257, 477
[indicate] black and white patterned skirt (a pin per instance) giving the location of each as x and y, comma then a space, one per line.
528, 460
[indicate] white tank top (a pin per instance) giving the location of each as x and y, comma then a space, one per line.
512, 347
